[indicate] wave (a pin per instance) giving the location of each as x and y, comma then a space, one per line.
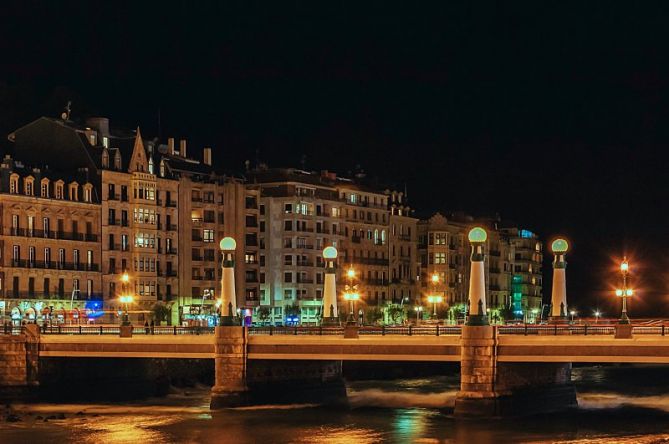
616, 400
394, 399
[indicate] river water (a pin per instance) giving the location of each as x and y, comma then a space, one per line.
621, 404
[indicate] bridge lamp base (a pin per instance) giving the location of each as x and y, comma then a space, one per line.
477, 320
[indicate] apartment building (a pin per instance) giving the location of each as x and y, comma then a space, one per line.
513, 265
49, 245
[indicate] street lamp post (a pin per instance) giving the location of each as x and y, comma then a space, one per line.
125, 298
434, 298
419, 313
351, 295
624, 292
597, 315
572, 313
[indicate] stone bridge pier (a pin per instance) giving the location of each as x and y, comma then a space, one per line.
489, 388
240, 381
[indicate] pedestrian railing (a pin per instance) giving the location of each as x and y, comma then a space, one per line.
115, 330
12, 329
411, 330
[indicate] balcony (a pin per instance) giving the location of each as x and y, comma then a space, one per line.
305, 264
356, 239
28, 294
53, 265
304, 280
113, 196
196, 258
171, 251
61, 235
170, 227
404, 237
171, 273
170, 203
196, 238
368, 261
495, 253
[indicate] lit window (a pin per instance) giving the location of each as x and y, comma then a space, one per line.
208, 235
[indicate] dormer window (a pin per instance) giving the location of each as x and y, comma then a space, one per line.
60, 188
162, 168
88, 193
29, 186
105, 158
74, 191
14, 183
105, 141
44, 191
150, 165
117, 160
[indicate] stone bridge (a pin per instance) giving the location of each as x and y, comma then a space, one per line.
498, 371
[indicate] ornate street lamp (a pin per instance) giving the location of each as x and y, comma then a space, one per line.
351, 295
125, 298
624, 292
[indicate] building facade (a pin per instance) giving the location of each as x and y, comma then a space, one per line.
49, 245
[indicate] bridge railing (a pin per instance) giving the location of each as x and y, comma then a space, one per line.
12, 329
114, 330
365, 331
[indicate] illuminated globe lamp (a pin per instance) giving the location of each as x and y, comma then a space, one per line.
329, 309
559, 289
228, 296
477, 303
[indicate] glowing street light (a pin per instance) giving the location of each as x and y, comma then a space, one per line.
434, 300
126, 300
419, 312
351, 295
351, 298
624, 292
598, 314
572, 313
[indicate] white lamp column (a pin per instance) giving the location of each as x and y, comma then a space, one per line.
559, 288
477, 303
329, 309
228, 295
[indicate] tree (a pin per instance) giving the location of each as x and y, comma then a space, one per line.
263, 314
373, 315
395, 313
506, 313
161, 312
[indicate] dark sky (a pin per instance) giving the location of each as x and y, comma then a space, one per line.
554, 116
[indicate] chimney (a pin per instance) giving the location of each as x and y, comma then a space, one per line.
170, 146
206, 156
182, 147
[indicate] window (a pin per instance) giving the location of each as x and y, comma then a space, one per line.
31, 255
440, 238
88, 193
30, 186
59, 190
353, 198
288, 259
47, 256
14, 183
439, 258
61, 257
288, 225
45, 188
89, 288
74, 191
16, 253
287, 208
288, 277
208, 235
89, 258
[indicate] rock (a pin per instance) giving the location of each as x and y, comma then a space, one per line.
12, 418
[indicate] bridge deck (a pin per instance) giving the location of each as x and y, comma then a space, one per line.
510, 348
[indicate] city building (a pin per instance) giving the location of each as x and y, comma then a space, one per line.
84, 205
513, 264
49, 244
301, 213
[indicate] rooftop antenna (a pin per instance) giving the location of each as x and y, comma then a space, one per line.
67, 110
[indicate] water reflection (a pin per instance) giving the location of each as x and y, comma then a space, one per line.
383, 412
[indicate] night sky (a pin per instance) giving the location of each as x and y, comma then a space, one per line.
555, 117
